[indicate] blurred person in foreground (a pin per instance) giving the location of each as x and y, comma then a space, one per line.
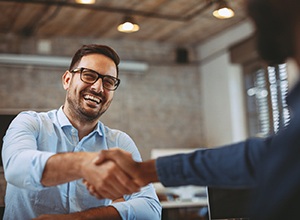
47, 155
270, 166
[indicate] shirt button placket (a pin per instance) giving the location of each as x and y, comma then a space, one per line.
74, 136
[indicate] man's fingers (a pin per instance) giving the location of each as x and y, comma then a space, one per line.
99, 159
111, 182
102, 194
126, 184
114, 154
105, 155
116, 171
116, 183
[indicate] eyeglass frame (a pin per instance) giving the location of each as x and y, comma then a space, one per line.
81, 69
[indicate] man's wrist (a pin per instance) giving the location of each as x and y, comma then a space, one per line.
85, 160
147, 172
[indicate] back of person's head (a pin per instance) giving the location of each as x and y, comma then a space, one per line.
95, 49
276, 22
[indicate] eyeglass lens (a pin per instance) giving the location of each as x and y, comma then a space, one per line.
91, 77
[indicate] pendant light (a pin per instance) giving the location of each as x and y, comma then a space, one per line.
223, 11
128, 25
86, 1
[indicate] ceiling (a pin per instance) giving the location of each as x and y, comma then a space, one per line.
184, 22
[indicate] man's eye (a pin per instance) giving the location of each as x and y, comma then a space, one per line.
109, 81
89, 75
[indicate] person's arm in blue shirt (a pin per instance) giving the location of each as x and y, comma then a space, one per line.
228, 166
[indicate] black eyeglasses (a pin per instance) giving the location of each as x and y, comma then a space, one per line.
91, 76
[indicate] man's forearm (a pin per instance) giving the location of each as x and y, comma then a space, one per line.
142, 173
103, 213
100, 213
64, 167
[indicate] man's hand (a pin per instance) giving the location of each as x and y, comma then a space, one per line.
136, 173
125, 161
107, 179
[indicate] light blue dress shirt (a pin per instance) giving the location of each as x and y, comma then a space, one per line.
31, 139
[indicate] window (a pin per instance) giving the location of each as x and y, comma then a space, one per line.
266, 89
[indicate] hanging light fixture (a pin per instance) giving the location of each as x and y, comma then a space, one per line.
86, 1
128, 25
223, 11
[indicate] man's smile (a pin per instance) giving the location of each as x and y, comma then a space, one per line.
93, 98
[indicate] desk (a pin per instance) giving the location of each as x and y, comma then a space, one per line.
199, 202
182, 203
185, 210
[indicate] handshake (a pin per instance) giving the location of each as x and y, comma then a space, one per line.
118, 175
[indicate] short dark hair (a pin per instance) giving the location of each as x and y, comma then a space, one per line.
275, 22
95, 49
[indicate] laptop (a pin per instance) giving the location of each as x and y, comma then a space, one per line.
224, 203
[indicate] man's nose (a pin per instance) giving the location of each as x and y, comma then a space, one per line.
98, 86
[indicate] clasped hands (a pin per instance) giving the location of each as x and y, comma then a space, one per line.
120, 175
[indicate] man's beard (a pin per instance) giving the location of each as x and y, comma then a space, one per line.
80, 113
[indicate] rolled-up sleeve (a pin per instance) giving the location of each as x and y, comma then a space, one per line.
143, 205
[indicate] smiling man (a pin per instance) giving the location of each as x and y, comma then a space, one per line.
47, 155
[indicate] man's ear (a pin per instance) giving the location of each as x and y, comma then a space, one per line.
66, 79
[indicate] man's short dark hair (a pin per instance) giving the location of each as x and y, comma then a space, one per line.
95, 49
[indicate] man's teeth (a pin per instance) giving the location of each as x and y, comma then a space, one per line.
93, 98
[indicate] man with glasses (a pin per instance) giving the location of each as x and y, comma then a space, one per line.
47, 155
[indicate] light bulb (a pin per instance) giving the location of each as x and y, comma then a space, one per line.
86, 1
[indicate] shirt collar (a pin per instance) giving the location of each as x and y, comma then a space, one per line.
64, 122
62, 118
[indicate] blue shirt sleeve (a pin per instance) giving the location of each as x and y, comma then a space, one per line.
23, 163
141, 205
227, 166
